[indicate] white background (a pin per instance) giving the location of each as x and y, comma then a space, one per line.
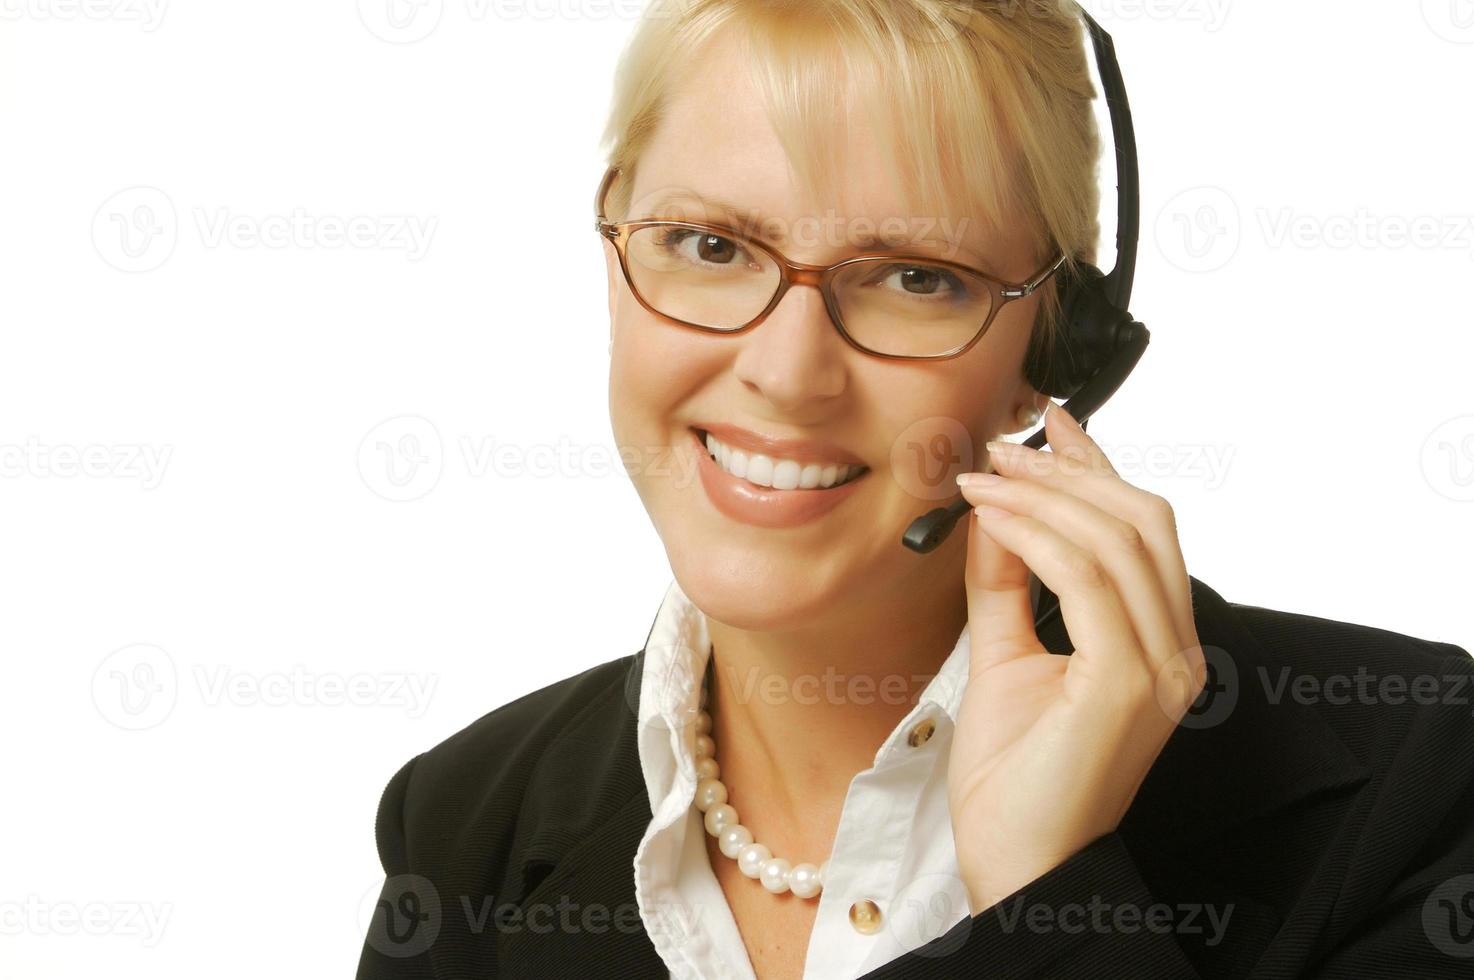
232, 527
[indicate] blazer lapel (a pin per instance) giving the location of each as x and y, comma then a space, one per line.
596, 926
601, 933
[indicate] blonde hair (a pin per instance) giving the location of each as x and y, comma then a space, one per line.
984, 106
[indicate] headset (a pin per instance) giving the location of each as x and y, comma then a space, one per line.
1099, 342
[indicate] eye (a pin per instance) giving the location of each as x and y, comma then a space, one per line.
922, 280
701, 247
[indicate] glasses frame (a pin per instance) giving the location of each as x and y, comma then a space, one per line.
803, 274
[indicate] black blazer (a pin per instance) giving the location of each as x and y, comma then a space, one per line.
1320, 795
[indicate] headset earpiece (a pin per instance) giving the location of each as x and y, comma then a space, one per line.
1087, 337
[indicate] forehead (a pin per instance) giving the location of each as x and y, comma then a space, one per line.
716, 141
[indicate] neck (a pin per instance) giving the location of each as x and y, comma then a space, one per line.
796, 714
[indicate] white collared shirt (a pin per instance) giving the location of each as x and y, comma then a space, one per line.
893, 845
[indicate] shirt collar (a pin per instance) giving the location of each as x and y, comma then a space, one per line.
675, 660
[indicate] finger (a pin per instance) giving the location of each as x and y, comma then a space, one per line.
1150, 514
1000, 612
1094, 614
1067, 438
1117, 543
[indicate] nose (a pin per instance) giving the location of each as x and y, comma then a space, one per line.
795, 358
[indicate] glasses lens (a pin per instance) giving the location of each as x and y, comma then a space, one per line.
701, 277
911, 309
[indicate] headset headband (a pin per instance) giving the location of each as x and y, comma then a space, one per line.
1118, 283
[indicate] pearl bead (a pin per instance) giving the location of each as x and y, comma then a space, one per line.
804, 880
733, 839
709, 793
774, 875
719, 818
750, 859
754, 860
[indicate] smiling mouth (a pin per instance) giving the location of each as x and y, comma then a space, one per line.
777, 472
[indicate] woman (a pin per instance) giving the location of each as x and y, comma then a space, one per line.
833, 757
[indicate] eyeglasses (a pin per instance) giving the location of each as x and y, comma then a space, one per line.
888, 304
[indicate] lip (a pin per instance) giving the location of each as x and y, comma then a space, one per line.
800, 450
748, 503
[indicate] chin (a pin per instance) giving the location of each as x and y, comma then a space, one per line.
758, 581
762, 589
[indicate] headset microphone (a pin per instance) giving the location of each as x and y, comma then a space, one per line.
1099, 343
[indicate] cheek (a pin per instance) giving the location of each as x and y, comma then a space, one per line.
654, 370
936, 425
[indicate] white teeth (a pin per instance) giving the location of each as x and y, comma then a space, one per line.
760, 470
780, 474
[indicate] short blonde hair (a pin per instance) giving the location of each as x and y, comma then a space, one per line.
984, 106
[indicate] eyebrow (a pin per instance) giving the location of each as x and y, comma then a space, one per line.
750, 219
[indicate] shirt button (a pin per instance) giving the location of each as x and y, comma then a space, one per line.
922, 733
865, 916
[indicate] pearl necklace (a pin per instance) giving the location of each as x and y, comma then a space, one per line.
753, 859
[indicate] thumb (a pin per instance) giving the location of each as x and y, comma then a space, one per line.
1000, 613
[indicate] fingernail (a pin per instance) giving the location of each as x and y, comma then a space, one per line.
990, 513
978, 479
1056, 408
1002, 448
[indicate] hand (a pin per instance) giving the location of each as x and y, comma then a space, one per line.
1050, 750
